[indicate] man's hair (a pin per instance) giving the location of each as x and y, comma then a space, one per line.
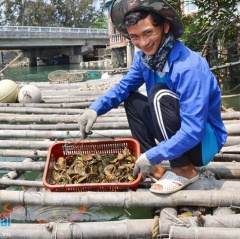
132, 18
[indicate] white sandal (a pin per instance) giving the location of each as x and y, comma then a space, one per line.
171, 183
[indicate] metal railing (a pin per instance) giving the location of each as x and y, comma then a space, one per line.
116, 39
46, 31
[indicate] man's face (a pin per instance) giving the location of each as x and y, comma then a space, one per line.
147, 37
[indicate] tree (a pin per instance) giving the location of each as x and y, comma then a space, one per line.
68, 13
77, 13
25, 12
213, 31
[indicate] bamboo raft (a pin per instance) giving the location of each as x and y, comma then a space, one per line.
28, 130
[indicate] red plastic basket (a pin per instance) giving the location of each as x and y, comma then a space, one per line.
115, 146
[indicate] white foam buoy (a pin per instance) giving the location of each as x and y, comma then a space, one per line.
105, 76
29, 94
8, 91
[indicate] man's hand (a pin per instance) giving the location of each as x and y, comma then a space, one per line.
143, 166
86, 121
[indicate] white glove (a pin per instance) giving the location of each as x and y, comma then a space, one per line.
86, 121
143, 166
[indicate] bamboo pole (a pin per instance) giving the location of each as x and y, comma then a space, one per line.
214, 184
226, 170
178, 232
26, 144
41, 107
59, 104
39, 149
4, 183
10, 63
130, 229
219, 170
227, 157
225, 65
76, 136
56, 118
73, 137
109, 116
232, 140
34, 154
226, 122
233, 129
230, 115
204, 184
64, 134
81, 91
73, 85
63, 126
135, 228
223, 211
129, 199
67, 100
168, 218
35, 110
14, 174
231, 149
23, 166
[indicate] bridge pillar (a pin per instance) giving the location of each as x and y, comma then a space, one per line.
117, 57
31, 54
1, 59
75, 57
130, 54
32, 61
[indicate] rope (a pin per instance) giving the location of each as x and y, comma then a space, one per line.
155, 230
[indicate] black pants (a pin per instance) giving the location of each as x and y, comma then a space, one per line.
157, 118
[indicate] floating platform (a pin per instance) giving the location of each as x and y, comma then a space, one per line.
209, 208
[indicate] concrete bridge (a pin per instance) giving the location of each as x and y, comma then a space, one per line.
51, 41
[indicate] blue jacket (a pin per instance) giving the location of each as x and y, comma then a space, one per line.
199, 98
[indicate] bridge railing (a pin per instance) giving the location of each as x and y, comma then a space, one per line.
116, 39
51, 31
